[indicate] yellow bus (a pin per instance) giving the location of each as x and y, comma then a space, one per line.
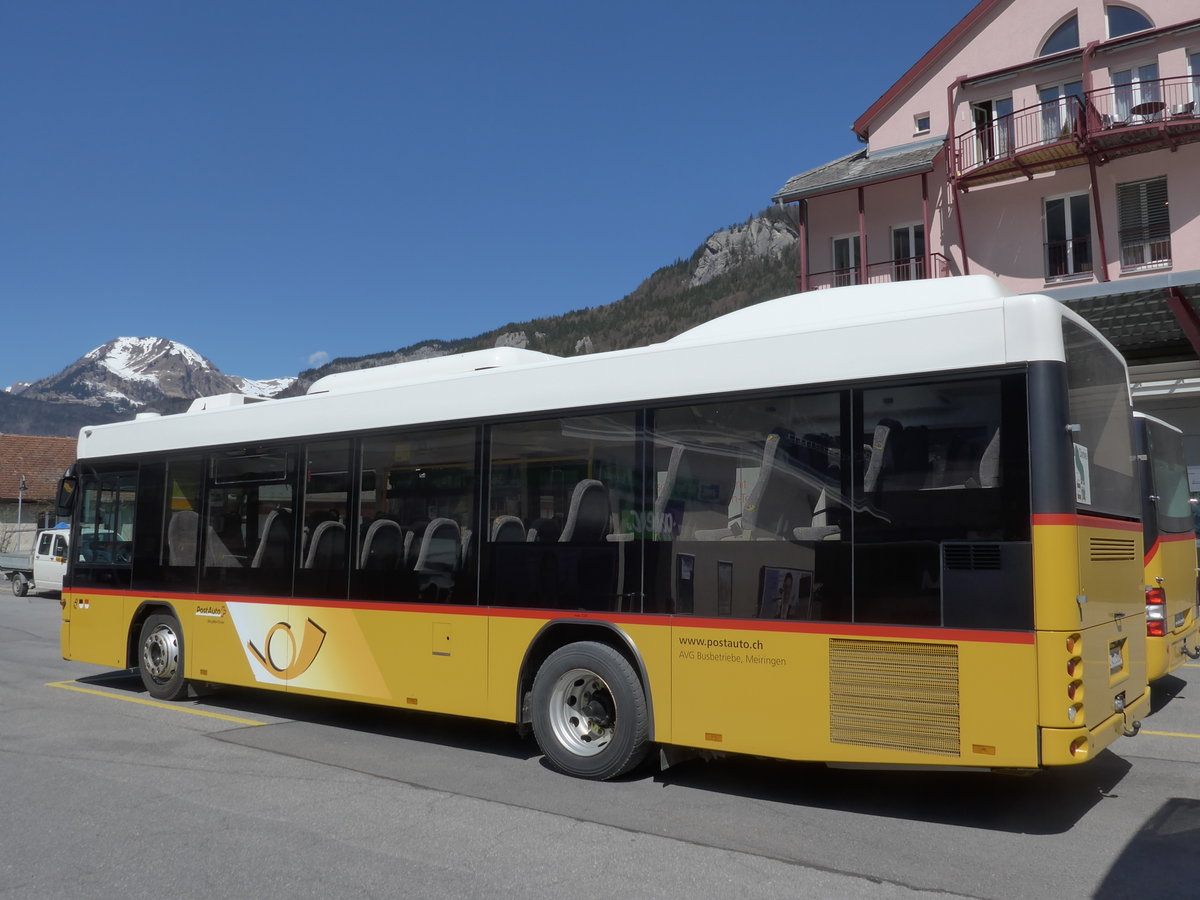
886, 525
1169, 542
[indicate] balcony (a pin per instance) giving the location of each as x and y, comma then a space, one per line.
1039, 138
1104, 124
1152, 115
889, 271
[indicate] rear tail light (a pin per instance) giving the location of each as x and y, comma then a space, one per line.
1156, 611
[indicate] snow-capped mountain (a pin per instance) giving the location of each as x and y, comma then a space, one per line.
136, 374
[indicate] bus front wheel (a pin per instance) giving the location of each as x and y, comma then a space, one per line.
160, 657
589, 711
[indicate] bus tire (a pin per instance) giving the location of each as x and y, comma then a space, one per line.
19, 585
160, 657
589, 712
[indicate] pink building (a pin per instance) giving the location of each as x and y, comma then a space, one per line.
1053, 144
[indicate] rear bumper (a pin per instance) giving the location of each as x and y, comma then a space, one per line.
1057, 743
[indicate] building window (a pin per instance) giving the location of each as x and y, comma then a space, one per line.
1195, 60
993, 122
1137, 93
1061, 107
1068, 245
908, 252
1064, 37
1123, 20
1145, 225
921, 123
845, 260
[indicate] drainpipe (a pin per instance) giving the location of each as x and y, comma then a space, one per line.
802, 228
952, 170
862, 237
1089, 119
926, 261
1100, 242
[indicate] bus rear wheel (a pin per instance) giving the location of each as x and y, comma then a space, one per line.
589, 712
160, 657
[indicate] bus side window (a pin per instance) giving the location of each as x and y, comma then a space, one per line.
249, 530
571, 485
324, 544
106, 529
413, 532
749, 509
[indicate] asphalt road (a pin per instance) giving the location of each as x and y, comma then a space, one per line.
107, 793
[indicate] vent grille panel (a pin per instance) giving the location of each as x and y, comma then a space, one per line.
1106, 549
971, 557
894, 696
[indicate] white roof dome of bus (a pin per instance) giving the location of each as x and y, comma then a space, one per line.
853, 305
429, 369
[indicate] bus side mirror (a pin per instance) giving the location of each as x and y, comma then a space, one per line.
64, 499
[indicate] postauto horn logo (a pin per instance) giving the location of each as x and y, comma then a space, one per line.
282, 658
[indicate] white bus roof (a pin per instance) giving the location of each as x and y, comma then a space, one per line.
832, 336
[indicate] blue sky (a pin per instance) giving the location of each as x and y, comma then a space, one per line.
271, 182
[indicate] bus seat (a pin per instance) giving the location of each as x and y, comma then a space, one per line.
588, 517
412, 543
665, 494
464, 554
757, 514
989, 464
821, 528
273, 548
881, 454
437, 559
703, 489
383, 546
182, 532
508, 529
327, 549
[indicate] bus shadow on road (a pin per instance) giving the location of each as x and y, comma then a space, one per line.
1164, 691
1051, 801
452, 732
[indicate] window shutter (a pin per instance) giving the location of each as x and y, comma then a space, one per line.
1142, 209
1144, 222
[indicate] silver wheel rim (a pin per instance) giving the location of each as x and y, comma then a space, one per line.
160, 653
583, 714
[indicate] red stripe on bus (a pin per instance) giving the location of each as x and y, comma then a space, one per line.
1168, 539
909, 632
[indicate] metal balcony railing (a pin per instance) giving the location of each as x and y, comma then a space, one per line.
1145, 248
910, 268
1163, 100
1068, 259
1010, 135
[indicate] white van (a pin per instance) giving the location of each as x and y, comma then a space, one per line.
50, 559
41, 570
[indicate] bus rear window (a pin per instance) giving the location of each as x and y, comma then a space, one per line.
1098, 402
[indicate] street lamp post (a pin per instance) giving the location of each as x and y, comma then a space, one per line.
20, 502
